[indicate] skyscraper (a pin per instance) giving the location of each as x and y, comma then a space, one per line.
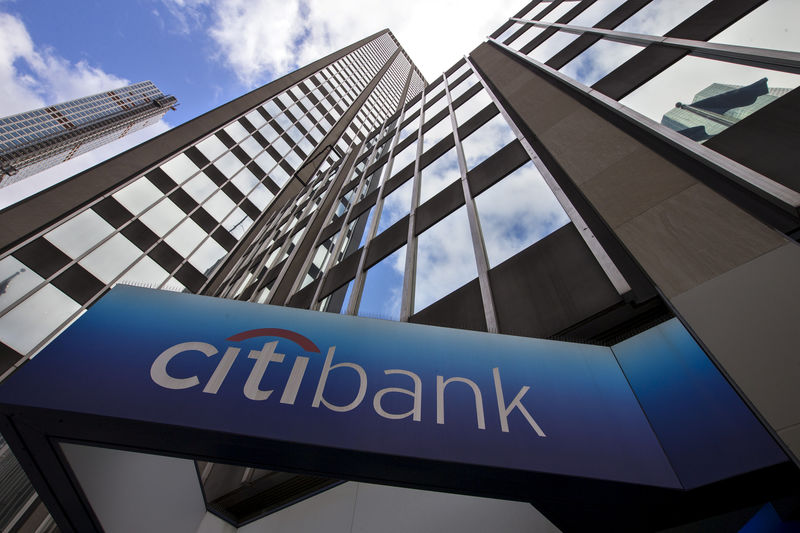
505, 196
35, 140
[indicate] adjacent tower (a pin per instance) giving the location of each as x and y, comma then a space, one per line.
35, 140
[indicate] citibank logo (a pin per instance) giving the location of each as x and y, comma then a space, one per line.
288, 396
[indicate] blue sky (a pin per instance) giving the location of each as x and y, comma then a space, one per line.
205, 52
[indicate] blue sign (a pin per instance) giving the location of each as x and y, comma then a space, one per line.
389, 388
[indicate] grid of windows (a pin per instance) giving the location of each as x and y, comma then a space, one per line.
39, 139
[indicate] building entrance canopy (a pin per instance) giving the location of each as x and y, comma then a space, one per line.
354, 398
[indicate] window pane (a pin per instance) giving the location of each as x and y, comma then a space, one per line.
445, 259
383, 288
16, 279
517, 211
228, 164
338, 300
207, 256
468, 109
526, 37
255, 118
111, 258
162, 217
660, 16
245, 181
486, 140
236, 131
711, 95
31, 321
395, 206
179, 168
80, 233
251, 147
551, 46
598, 60
146, 272
438, 175
200, 187
260, 196
404, 158
185, 237
596, 12
138, 195
219, 205
212, 147
560, 10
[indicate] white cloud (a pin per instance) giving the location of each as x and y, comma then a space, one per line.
32, 77
262, 39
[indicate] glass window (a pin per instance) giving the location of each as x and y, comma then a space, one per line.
445, 259
212, 147
436, 107
517, 211
111, 258
551, 46
404, 158
228, 164
383, 288
237, 223
251, 147
773, 25
396, 205
320, 259
31, 321
468, 109
486, 140
16, 279
438, 175
457, 74
265, 161
255, 118
145, 272
559, 10
535, 10
598, 60
80, 233
596, 12
236, 131
199, 187
245, 181
269, 133
219, 205
463, 87
410, 128
185, 237
660, 16
138, 195
162, 217
179, 168
260, 196
206, 258
711, 95
279, 176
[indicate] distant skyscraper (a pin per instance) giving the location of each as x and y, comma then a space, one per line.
35, 140
718, 107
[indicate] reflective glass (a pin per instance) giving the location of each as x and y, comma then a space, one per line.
408, 129
281, 146
468, 109
395, 206
207, 256
660, 16
138, 195
320, 259
212, 147
293, 159
111, 258
237, 223
185, 237
145, 272
200, 187
255, 118
16, 279
517, 211
219, 205
463, 87
32, 320
438, 175
559, 10
179, 168
80, 233
711, 95
552, 46
269, 133
260, 196
598, 60
364, 221
486, 140
383, 288
404, 158
162, 217
245, 181
228, 164
436, 107
445, 259
772, 25
596, 12
265, 161
251, 147
457, 74
535, 10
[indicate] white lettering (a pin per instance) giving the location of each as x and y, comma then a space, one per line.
263, 358
158, 371
515, 404
222, 370
295, 378
441, 384
327, 367
416, 411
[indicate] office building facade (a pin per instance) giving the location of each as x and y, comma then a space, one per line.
529, 191
35, 140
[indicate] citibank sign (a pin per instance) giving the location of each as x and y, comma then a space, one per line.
267, 357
